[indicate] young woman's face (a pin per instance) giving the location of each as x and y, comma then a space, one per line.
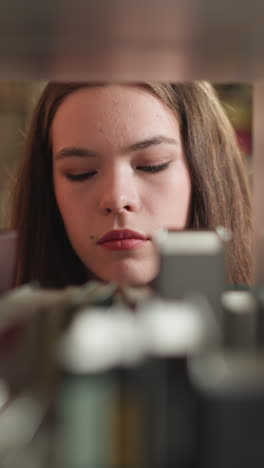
120, 175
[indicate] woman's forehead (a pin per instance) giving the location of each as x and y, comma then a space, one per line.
114, 113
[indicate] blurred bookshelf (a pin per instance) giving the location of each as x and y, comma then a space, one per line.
237, 102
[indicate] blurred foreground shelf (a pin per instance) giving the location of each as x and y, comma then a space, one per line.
124, 40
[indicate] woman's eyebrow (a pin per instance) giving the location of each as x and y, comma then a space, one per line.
74, 151
71, 151
153, 141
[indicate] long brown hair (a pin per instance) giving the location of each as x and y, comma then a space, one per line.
220, 190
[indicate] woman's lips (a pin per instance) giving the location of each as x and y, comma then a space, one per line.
122, 239
124, 244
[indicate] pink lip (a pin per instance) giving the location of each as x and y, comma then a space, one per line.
123, 239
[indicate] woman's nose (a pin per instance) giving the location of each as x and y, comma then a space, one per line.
119, 194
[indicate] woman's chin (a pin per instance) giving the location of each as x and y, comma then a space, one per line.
129, 277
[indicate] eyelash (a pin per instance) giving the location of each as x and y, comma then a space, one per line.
80, 177
154, 169
89, 175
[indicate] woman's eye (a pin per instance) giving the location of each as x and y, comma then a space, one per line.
154, 168
81, 176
